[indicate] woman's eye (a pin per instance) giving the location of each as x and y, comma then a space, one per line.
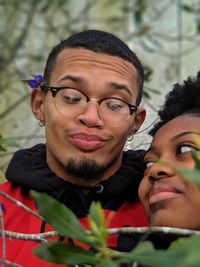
185, 148
148, 164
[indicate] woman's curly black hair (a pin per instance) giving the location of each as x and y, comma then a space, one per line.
182, 99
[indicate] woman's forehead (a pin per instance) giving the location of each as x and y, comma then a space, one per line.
176, 128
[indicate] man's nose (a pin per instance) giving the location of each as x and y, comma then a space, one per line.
90, 116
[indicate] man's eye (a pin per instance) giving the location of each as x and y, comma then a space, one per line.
71, 96
114, 104
114, 107
71, 99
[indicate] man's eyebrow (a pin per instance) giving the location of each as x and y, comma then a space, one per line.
72, 78
120, 87
113, 85
185, 133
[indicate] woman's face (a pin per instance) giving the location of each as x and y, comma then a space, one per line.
168, 199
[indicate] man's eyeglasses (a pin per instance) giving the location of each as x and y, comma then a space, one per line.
72, 102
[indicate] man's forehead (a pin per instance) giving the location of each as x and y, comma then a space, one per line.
82, 54
75, 58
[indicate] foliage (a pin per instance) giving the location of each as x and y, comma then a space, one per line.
192, 174
65, 222
7, 142
182, 252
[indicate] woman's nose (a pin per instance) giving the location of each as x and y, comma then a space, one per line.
160, 171
90, 116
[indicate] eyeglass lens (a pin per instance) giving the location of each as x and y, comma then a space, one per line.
71, 103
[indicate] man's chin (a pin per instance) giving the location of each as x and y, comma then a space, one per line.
85, 168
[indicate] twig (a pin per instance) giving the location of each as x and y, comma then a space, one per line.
123, 230
40, 237
9, 263
153, 229
14, 105
22, 36
3, 249
21, 205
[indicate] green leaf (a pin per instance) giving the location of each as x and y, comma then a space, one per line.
148, 71
114, 18
152, 90
198, 27
62, 3
196, 159
96, 220
189, 8
7, 142
148, 91
125, 8
97, 214
107, 263
192, 175
2, 148
61, 218
64, 253
182, 253
139, 10
196, 139
141, 253
188, 249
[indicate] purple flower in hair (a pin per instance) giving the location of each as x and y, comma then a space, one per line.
36, 81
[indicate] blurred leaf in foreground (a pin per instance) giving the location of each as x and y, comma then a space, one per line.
58, 252
182, 253
7, 142
192, 174
60, 217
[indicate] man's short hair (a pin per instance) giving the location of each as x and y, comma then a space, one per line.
182, 99
99, 42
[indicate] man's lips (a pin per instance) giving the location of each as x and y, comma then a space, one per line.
87, 142
162, 191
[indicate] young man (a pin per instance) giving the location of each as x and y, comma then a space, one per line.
89, 105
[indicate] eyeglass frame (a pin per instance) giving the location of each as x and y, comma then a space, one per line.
54, 90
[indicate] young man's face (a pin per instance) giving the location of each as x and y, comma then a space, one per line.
73, 143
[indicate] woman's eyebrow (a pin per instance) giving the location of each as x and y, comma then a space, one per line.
185, 133
151, 149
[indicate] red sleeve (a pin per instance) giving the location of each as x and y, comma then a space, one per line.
18, 220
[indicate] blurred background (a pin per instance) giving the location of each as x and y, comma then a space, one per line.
165, 35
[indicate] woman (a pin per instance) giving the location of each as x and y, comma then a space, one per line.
168, 198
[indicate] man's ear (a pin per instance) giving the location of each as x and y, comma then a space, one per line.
140, 116
37, 104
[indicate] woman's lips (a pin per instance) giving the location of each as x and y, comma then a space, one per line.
87, 142
162, 191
